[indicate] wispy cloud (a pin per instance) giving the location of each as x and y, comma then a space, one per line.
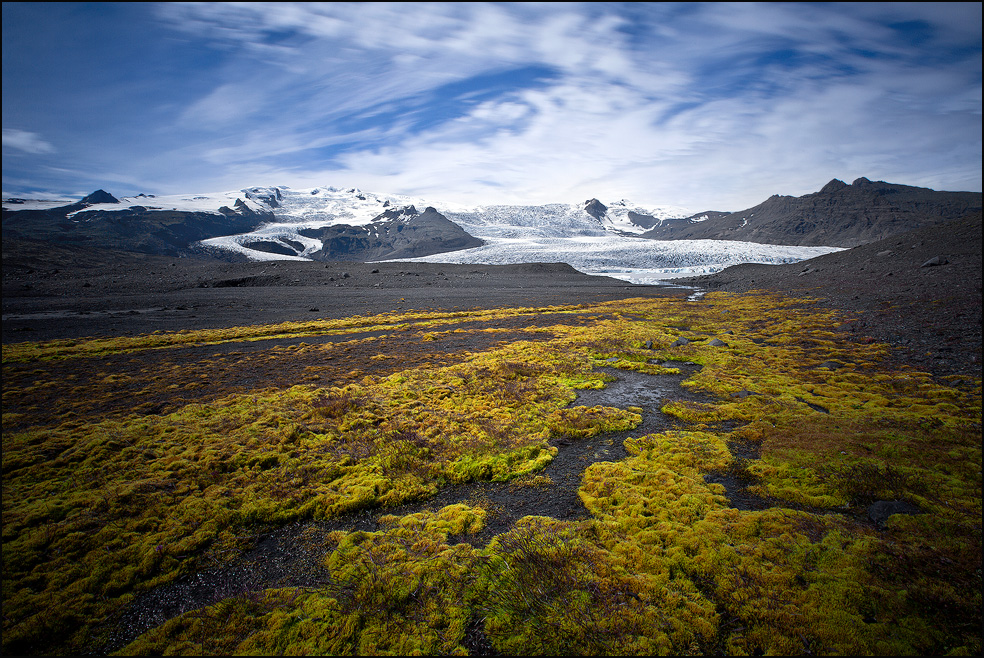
697, 104
25, 141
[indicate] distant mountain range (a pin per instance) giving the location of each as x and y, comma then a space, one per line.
839, 215
139, 228
261, 223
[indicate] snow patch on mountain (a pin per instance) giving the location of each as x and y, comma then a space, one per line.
210, 203
627, 218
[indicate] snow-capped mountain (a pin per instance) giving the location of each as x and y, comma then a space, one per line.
299, 214
328, 223
593, 237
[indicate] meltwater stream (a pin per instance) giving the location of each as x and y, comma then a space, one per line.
293, 556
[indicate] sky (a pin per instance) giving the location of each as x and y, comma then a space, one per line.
708, 106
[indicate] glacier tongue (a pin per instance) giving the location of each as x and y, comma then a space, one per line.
636, 260
566, 233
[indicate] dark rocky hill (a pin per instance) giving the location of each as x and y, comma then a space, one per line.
839, 215
396, 233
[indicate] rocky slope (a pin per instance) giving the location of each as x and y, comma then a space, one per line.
839, 215
919, 290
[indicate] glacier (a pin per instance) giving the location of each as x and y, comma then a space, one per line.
636, 260
565, 233
562, 232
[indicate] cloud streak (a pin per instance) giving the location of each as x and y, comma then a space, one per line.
701, 105
25, 141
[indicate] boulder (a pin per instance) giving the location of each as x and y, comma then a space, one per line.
934, 261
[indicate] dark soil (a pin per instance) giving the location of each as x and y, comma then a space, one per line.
126, 294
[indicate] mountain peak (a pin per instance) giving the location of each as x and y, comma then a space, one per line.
405, 212
834, 186
861, 181
100, 196
595, 208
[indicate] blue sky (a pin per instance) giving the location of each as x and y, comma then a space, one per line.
701, 105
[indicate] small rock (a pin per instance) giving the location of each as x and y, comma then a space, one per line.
742, 394
879, 511
648, 345
829, 365
680, 341
934, 261
717, 343
346, 275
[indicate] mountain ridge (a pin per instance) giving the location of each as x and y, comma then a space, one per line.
327, 223
838, 215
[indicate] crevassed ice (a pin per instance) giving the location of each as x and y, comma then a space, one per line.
635, 260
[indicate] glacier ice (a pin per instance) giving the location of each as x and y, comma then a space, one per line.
513, 234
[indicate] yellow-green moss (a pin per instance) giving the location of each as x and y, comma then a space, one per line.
98, 507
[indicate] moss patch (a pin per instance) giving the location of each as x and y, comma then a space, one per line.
106, 497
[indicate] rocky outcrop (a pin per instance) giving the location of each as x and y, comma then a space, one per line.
396, 233
839, 215
271, 196
595, 208
642, 220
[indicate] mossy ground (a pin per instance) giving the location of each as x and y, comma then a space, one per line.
130, 462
